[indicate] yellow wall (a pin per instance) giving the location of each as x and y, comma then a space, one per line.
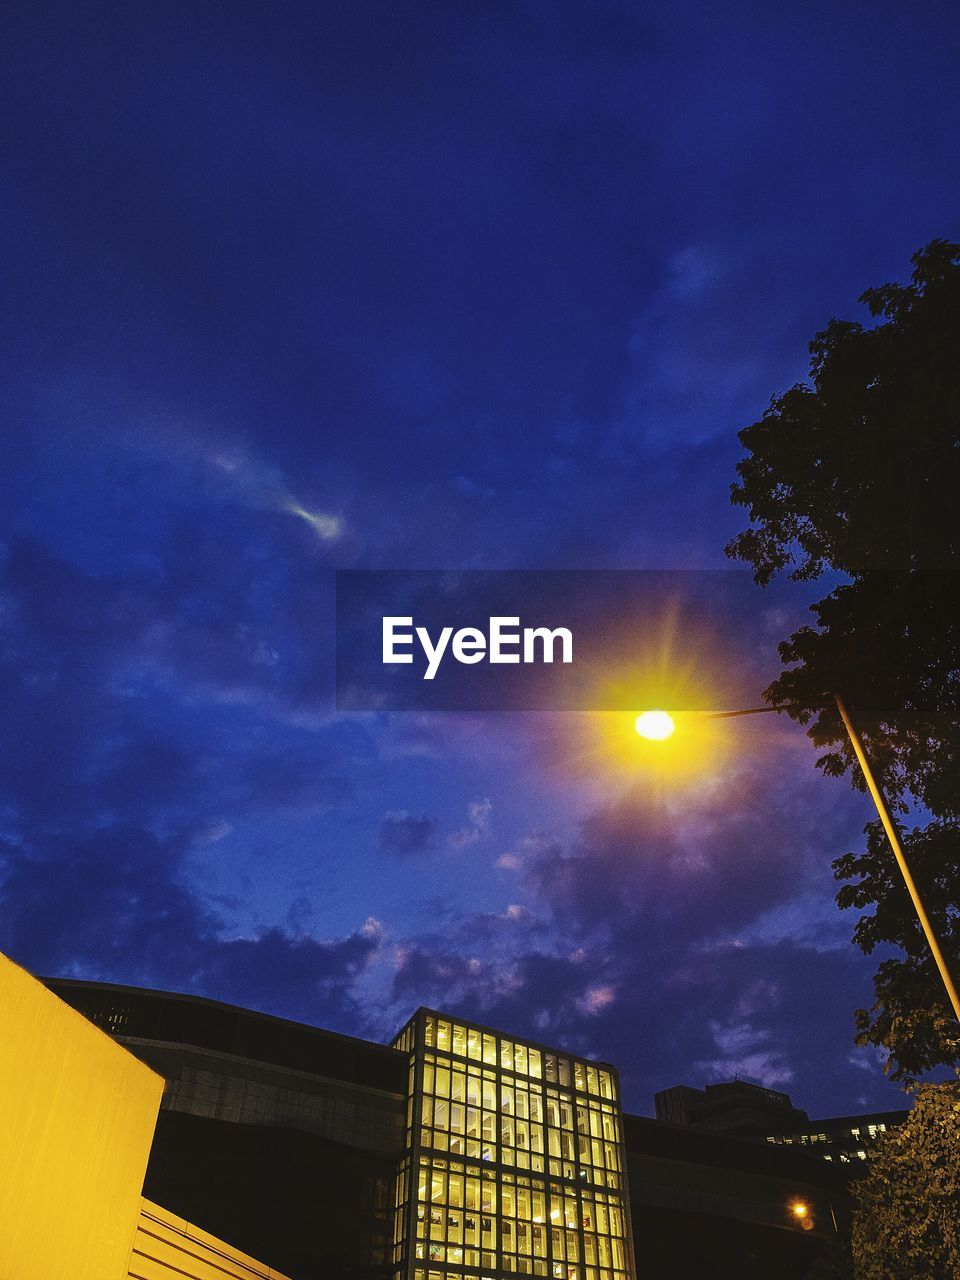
77, 1114
168, 1248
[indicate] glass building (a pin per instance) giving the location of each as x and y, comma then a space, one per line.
457, 1153
513, 1164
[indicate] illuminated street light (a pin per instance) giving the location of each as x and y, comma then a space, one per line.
658, 725
655, 725
801, 1214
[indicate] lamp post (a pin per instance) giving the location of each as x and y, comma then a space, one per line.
658, 720
893, 835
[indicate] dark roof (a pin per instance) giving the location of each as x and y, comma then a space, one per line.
195, 1021
870, 1117
643, 1136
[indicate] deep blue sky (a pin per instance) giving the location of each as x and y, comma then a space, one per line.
483, 286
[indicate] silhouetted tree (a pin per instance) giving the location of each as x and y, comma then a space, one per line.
857, 475
911, 1018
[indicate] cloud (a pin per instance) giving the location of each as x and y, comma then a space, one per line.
113, 906
215, 830
111, 784
479, 813
401, 832
527, 850
595, 999
631, 945
517, 912
327, 527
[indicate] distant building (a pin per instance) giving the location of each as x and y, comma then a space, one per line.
843, 1139
747, 1110
458, 1153
707, 1206
736, 1107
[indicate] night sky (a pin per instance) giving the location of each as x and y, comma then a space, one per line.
298, 287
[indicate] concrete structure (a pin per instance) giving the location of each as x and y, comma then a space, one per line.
166, 1247
77, 1117
76, 1121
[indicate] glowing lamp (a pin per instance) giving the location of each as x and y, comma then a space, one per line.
801, 1214
655, 725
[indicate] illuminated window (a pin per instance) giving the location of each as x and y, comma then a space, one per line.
515, 1159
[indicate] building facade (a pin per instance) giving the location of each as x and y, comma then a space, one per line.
77, 1117
513, 1162
839, 1139
458, 1152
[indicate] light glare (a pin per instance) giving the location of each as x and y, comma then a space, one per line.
655, 725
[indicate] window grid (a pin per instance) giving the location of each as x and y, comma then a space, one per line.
516, 1152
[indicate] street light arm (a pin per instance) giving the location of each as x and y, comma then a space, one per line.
747, 711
